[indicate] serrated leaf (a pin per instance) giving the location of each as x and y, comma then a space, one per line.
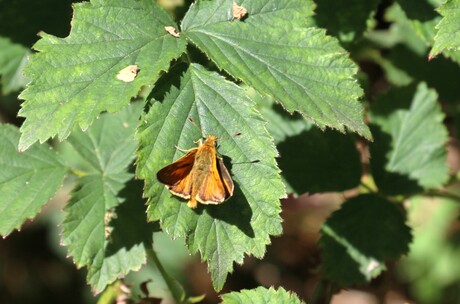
358, 238
311, 160
409, 151
261, 295
437, 73
28, 180
13, 57
243, 224
421, 17
302, 68
105, 227
346, 20
74, 79
448, 35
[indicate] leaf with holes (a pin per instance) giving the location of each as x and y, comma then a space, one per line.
75, 78
302, 68
243, 224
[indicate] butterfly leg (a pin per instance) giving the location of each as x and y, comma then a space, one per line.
183, 150
192, 203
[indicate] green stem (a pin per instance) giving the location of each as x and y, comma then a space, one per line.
173, 288
367, 187
318, 293
443, 194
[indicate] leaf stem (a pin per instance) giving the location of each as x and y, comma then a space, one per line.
172, 285
322, 293
443, 194
367, 187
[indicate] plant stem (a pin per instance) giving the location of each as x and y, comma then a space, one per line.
368, 188
172, 285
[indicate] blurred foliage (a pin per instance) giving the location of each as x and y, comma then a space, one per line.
391, 42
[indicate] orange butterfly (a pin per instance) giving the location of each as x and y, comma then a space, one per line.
199, 176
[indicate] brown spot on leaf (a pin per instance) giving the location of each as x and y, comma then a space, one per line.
129, 73
238, 12
172, 31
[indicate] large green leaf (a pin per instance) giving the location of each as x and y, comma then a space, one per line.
359, 237
243, 224
13, 56
74, 79
302, 68
448, 35
409, 152
27, 180
105, 227
311, 160
261, 295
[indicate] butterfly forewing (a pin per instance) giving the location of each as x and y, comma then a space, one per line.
178, 170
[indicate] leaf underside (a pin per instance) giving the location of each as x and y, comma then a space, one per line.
105, 227
28, 180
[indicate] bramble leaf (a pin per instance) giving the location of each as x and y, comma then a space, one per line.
244, 223
359, 237
13, 57
28, 180
74, 78
105, 227
302, 68
448, 35
311, 160
409, 152
261, 295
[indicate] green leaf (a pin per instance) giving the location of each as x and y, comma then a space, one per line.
74, 79
448, 35
437, 73
421, 17
28, 180
358, 238
105, 227
346, 20
244, 223
261, 295
302, 68
12, 59
409, 151
311, 160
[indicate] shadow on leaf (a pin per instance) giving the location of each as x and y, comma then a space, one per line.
391, 183
129, 226
316, 161
236, 210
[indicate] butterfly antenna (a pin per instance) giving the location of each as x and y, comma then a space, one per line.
231, 136
196, 126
